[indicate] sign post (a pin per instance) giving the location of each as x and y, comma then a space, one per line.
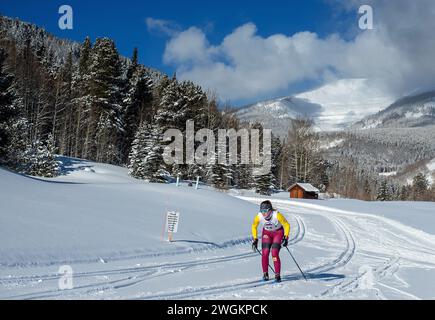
172, 219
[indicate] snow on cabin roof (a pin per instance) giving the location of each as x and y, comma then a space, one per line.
306, 186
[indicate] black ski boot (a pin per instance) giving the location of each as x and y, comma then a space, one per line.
265, 276
277, 278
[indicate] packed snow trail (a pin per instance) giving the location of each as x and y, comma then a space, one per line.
112, 240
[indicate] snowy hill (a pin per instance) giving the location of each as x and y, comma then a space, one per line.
333, 106
411, 111
277, 114
346, 101
397, 141
426, 167
382, 149
98, 211
108, 227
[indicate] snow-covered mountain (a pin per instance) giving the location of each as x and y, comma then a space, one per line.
333, 106
411, 111
277, 114
383, 150
346, 101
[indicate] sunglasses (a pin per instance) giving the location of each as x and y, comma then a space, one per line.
264, 211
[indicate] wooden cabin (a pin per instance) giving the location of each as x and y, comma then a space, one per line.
303, 191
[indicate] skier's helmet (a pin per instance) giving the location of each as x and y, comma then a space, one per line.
266, 209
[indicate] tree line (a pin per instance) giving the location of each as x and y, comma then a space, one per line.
96, 105
99, 106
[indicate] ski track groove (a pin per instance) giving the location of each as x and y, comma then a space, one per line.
133, 280
340, 261
352, 284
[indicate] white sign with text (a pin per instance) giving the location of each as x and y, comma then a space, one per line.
172, 219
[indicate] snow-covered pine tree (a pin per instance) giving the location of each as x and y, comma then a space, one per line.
82, 99
64, 109
219, 176
172, 114
134, 64
420, 186
196, 110
138, 151
145, 159
243, 175
383, 191
196, 104
8, 111
367, 189
137, 102
432, 193
263, 184
105, 95
276, 154
39, 159
404, 193
173, 108
154, 165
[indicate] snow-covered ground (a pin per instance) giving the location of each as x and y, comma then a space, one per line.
108, 228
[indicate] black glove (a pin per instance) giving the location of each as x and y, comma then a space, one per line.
284, 242
255, 245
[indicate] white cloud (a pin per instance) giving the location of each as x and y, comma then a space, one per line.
397, 54
165, 27
190, 46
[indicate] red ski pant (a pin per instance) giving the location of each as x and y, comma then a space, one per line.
271, 240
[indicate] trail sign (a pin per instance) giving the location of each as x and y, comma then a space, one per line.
172, 219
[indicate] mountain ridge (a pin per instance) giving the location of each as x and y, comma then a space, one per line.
410, 111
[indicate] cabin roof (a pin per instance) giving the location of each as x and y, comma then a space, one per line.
308, 187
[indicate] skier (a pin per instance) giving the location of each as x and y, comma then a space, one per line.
276, 230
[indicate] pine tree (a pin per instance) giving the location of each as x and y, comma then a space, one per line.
219, 175
383, 191
39, 159
105, 122
173, 108
146, 160
172, 114
137, 102
420, 186
404, 193
8, 111
263, 184
138, 151
276, 154
64, 109
367, 190
243, 175
82, 99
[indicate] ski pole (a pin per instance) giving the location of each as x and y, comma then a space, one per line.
297, 264
269, 263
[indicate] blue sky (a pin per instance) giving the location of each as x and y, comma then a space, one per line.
124, 21
249, 50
